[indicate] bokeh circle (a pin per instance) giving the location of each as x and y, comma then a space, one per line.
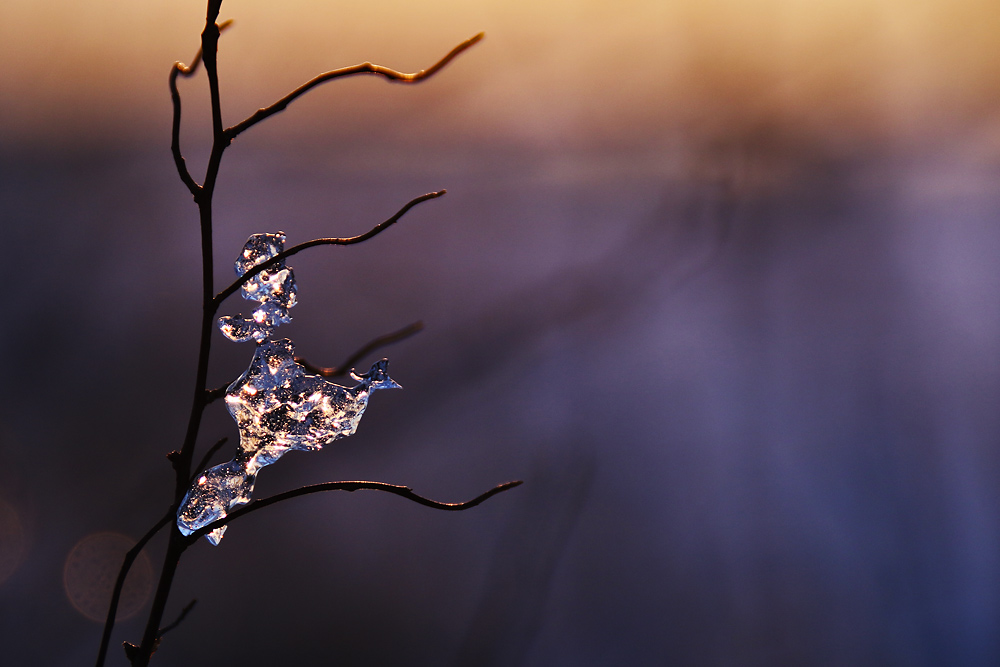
90, 572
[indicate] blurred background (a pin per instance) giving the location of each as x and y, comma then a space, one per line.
716, 279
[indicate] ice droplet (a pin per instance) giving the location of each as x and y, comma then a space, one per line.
278, 408
274, 289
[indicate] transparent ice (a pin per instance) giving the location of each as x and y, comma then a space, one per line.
278, 408
273, 288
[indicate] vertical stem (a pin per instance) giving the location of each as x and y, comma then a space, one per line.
151, 637
208, 308
177, 543
182, 464
210, 52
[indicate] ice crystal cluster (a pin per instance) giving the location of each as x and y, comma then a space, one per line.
277, 405
274, 288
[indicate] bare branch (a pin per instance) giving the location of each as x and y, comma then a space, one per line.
213, 395
370, 347
363, 68
402, 491
203, 194
263, 266
336, 371
207, 457
116, 593
175, 140
180, 69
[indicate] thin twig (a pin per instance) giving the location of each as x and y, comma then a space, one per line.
363, 68
372, 345
213, 395
175, 135
208, 455
402, 491
140, 655
263, 266
180, 69
182, 465
342, 369
116, 593
184, 612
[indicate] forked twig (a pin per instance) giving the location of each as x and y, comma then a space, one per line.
363, 68
403, 491
180, 69
213, 395
181, 459
377, 229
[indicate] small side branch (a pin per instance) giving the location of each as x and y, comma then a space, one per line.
180, 69
263, 266
207, 457
370, 347
335, 371
175, 135
213, 395
184, 612
116, 593
363, 68
402, 491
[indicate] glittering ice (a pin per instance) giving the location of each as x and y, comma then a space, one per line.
273, 288
278, 408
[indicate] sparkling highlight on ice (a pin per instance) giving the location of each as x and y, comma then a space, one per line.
278, 408
274, 288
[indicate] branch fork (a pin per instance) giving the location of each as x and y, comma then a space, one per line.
202, 193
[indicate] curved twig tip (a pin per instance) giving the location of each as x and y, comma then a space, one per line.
263, 266
402, 491
372, 345
363, 68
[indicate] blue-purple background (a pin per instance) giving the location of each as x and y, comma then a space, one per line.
717, 280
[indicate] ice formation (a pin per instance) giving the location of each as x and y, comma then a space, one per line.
274, 288
278, 408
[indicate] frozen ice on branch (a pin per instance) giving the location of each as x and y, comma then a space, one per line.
277, 405
274, 288
278, 408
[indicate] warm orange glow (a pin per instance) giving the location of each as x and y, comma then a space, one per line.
553, 73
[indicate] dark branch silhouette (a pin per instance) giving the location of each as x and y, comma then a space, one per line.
363, 68
184, 612
335, 371
377, 229
181, 459
180, 69
213, 395
207, 457
372, 345
403, 491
